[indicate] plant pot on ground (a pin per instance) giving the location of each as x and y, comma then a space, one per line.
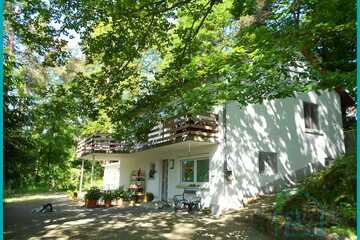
129, 197
108, 196
92, 196
119, 196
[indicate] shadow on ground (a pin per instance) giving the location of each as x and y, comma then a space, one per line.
72, 221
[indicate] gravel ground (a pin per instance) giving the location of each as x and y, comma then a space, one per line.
72, 221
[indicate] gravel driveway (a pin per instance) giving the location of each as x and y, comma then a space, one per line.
72, 221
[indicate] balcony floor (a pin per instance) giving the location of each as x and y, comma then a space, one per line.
163, 151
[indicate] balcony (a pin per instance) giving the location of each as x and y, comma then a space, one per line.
199, 128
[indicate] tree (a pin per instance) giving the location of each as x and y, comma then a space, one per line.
209, 52
148, 60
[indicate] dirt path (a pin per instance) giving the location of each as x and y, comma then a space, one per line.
71, 221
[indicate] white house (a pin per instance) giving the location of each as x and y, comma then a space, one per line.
235, 154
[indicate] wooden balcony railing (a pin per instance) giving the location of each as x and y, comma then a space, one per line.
201, 128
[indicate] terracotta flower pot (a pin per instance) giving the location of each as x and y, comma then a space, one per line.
91, 203
107, 203
120, 202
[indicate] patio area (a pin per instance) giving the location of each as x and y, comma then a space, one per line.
72, 221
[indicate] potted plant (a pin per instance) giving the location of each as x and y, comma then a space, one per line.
130, 196
92, 196
108, 196
119, 196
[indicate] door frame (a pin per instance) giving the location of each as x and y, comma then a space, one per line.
164, 182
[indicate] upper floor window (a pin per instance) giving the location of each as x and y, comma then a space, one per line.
311, 115
195, 170
268, 163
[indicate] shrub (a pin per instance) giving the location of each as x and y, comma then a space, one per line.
283, 197
333, 188
119, 193
343, 231
108, 195
129, 195
347, 212
94, 193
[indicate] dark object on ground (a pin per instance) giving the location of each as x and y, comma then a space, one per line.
188, 199
149, 196
45, 208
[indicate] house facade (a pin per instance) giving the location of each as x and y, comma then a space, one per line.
233, 154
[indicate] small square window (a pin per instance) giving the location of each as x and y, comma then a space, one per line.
311, 115
268, 163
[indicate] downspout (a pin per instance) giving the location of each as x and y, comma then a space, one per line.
92, 170
225, 147
81, 175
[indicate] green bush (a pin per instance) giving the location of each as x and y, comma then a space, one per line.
280, 201
93, 193
347, 212
343, 231
108, 195
335, 184
283, 197
332, 189
129, 195
119, 193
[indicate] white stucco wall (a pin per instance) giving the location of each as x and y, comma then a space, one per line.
273, 126
111, 179
277, 126
119, 174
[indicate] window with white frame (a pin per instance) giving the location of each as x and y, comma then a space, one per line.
311, 115
268, 163
195, 170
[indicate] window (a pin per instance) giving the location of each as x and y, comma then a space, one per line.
202, 170
195, 170
311, 115
188, 171
268, 163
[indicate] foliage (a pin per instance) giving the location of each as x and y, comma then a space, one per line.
282, 198
340, 178
108, 195
202, 53
119, 193
129, 195
93, 193
332, 189
343, 231
199, 54
101, 125
72, 194
322, 31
